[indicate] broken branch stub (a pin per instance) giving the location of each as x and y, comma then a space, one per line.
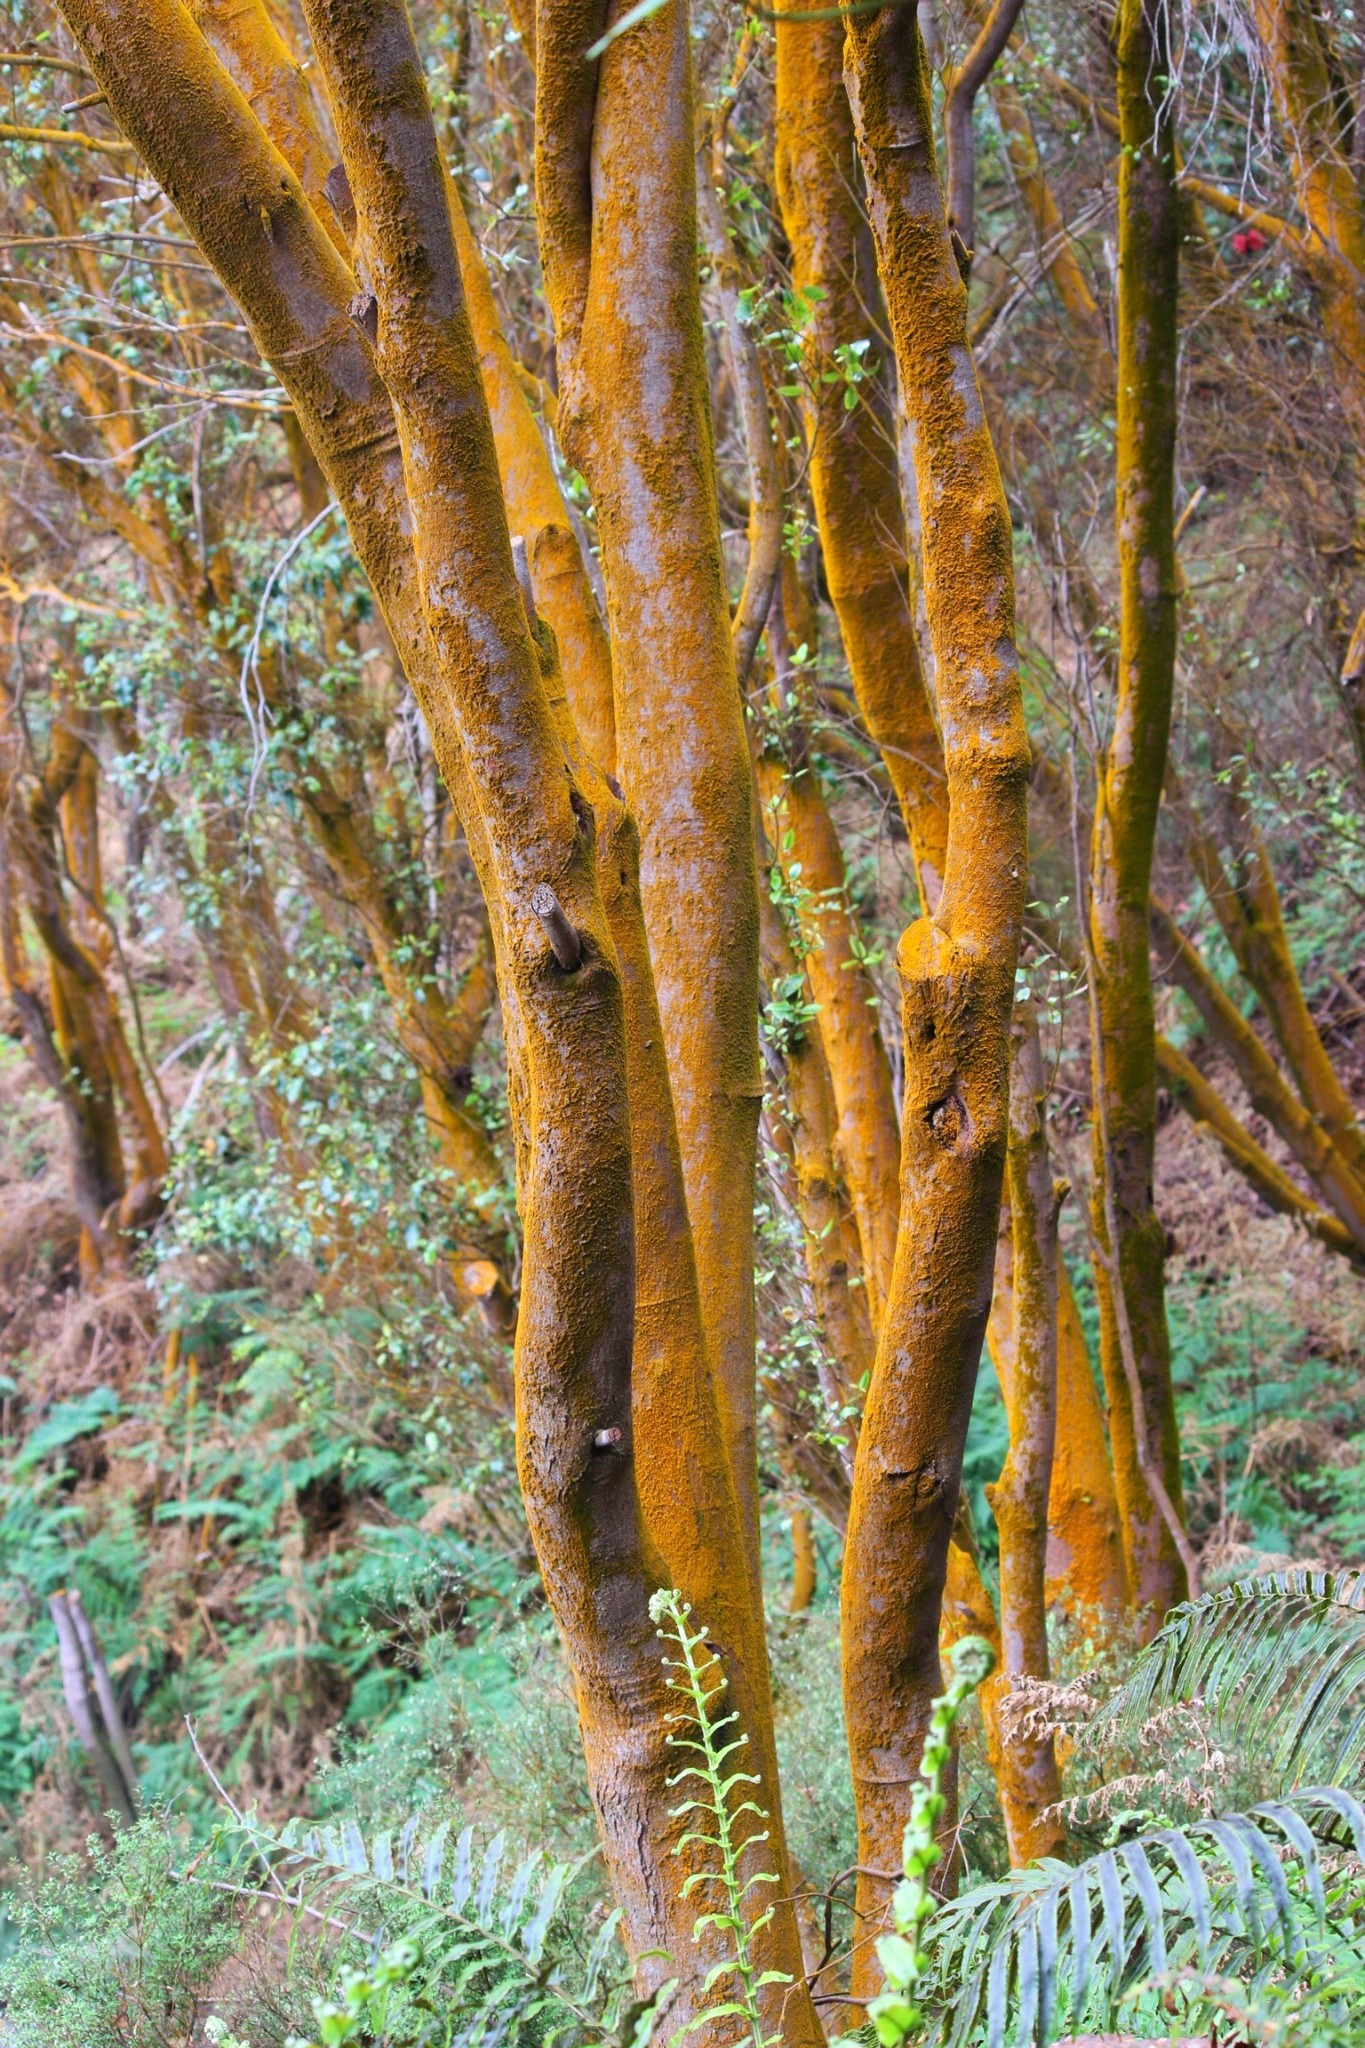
565, 943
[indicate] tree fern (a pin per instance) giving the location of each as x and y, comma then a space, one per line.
1275, 1890
486, 1928
1279, 1664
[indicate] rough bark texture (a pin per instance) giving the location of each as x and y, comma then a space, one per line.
1029, 1783
957, 972
853, 461
868, 1137
575, 1342
1130, 779
616, 202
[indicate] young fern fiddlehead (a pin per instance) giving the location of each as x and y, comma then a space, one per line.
720, 1804
896, 2012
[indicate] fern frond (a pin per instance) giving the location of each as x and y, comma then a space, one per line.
1059, 1945
1277, 1662
486, 1933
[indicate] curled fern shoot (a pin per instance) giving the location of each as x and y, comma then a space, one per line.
896, 2012
720, 1803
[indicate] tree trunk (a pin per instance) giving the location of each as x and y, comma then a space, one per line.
1130, 779
1029, 1784
957, 976
853, 455
616, 203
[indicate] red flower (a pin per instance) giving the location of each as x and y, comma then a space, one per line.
1248, 241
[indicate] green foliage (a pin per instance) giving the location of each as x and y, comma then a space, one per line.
483, 1957
304, 1486
720, 1803
1271, 1898
1057, 1947
121, 1952
369, 1183
366, 2000
1277, 1663
812, 1742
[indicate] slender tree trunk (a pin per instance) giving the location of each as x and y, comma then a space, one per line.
853, 456
804, 1141
1029, 1787
1085, 1574
845, 996
957, 975
1130, 779
1308, 1140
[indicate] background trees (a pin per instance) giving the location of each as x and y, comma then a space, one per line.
518, 912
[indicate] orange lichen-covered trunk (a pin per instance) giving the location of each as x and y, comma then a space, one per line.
1085, 1575
1029, 1784
1085, 1565
1247, 906
575, 1336
1308, 1139
537, 512
246, 38
1327, 184
1130, 778
251, 49
489, 731
616, 202
853, 465
687, 1492
957, 973
803, 1138
800, 825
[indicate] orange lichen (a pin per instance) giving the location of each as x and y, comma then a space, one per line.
853, 466
615, 198
1129, 787
956, 968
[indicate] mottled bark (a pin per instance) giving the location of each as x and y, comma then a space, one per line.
957, 973
853, 457
1129, 785
1029, 1784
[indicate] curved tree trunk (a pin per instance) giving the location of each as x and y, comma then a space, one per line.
853, 455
